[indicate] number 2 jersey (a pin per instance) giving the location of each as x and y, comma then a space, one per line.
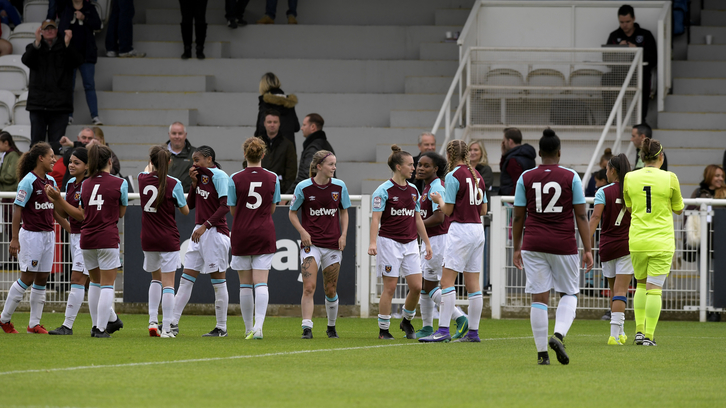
549, 192
653, 194
320, 205
253, 191
101, 197
159, 232
615, 223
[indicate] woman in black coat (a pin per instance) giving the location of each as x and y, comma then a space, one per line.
272, 98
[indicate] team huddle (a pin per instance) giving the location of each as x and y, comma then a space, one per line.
635, 212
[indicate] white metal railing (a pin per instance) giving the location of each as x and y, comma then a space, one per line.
687, 289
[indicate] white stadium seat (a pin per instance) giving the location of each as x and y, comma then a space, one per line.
546, 77
26, 28
6, 31
14, 74
35, 10
20, 115
7, 102
23, 35
21, 136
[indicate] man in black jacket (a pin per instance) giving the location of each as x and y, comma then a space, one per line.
280, 157
315, 140
50, 92
181, 154
516, 158
639, 133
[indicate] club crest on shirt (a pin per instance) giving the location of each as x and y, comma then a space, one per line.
77, 195
639, 39
306, 249
34, 263
414, 197
388, 268
21, 195
205, 179
377, 203
336, 195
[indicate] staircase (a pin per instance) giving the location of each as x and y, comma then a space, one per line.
377, 71
693, 126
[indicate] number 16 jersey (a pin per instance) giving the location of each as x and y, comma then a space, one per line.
159, 232
549, 192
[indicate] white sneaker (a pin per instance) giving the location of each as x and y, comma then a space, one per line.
167, 335
132, 54
97, 121
111, 54
154, 329
254, 334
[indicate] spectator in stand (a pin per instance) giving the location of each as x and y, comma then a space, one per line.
315, 140
181, 154
85, 139
516, 158
120, 31
52, 62
234, 12
630, 34
272, 97
9, 14
479, 158
639, 133
280, 158
82, 19
591, 185
271, 8
9, 155
713, 179
426, 143
194, 15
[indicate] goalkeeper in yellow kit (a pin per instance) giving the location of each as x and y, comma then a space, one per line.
651, 194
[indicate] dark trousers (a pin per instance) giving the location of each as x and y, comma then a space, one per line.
120, 33
271, 8
50, 124
194, 15
235, 9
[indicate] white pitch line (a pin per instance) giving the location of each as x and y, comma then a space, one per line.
202, 360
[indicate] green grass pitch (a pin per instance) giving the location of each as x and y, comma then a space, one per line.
687, 368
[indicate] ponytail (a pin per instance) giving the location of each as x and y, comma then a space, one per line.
98, 157
650, 150
318, 158
622, 166
396, 157
159, 157
29, 159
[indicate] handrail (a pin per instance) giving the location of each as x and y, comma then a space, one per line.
446, 107
616, 111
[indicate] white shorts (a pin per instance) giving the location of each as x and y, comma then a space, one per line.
464, 247
36, 250
79, 265
249, 262
619, 266
166, 261
432, 268
395, 259
210, 254
545, 271
324, 257
105, 259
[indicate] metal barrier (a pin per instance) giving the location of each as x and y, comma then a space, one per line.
687, 289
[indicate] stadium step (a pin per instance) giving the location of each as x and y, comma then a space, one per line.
713, 5
714, 17
692, 120
695, 103
135, 117
163, 83
458, 16
698, 34
712, 52
691, 138
414, 118
698, 69
427, 85
699, 86
439, 51
174, 49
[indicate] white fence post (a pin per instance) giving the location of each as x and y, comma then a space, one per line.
703, 264
497, 254
364, 260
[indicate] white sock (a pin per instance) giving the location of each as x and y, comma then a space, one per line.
622, 323
458, 312
384, 321
15, 295
476, 303
539, 321
246, 305
112, 317
427, 309
331, 309
307, 323
221, 302
94, 292
408, 314
167, 307
448, 300
565, 314
435, 295
186, 284
154, 300
75, 299
616, 319
105, 305
37, 300
262, 297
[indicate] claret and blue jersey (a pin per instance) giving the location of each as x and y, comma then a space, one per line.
37, 209
319, 206
428, 207
212, 186
398, 205
460, 190
252, 192
159, 232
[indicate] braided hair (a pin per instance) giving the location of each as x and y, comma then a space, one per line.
207, 151
458, 151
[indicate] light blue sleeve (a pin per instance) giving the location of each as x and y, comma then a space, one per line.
231, 193
51, 179
25, 190
72, 180
125, 193
438, 188
345, 199
452, 187
578, 196
380, 196
600, 197
418, 202
178, 194
221, 184
299, 198
520, 195
276, 196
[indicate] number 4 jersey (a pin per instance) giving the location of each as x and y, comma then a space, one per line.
549, 192
159, 232
101, 197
